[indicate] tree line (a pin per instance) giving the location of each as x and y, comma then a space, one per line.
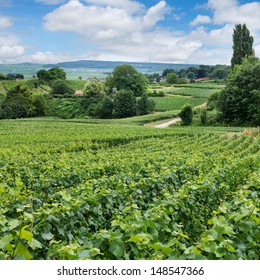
124, 93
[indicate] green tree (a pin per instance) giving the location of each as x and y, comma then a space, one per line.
60, 87
186, 114
18, 103
172, 78
239, 102
126, 77
144, 105
94, 88
242, 44
125, 104
43, 75
51, 75
39, 103
106, 107
57, 73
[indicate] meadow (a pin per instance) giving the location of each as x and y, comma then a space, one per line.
114, 189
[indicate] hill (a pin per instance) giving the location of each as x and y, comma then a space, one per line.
140, 66
89, 68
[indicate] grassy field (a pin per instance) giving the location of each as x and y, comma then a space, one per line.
107, 189
167, 103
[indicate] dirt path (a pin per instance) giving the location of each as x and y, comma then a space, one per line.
166, 124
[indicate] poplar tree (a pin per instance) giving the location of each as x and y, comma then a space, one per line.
242, 44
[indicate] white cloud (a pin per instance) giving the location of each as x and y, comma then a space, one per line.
128, 30
50, 57
200, 19
215, 37
5, 22
231, 12
129, 5
10, 52
10, 47
119, 31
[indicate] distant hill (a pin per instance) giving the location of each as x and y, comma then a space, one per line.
89, 68
98, 64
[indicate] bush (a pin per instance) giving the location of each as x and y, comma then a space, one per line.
186, 114
203, 116
18, 103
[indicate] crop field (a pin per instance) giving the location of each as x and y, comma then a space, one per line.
79, 190
186, 91
76, 84
167, 103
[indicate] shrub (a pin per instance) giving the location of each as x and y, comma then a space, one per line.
186, 114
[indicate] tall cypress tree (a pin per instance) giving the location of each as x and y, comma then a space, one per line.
242, 44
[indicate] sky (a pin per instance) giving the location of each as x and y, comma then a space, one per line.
171, 31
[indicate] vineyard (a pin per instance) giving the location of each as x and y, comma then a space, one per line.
175, 102
76, 190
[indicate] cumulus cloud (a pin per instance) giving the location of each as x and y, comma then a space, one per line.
131, 6
10, 47
200, 19
231, 12
122, 29
10, 52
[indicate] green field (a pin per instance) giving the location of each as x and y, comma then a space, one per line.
175, 102
93, 189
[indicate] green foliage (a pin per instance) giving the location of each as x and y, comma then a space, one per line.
144, 105
239, 102
125, 104
74, 190
65, 108
126, 77
203, 116
94, 88
18, 103
186, 114
171, 78
106, 108
51, 75
39, 103
242, 44
61, 87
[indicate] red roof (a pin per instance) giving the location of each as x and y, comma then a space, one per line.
79, 92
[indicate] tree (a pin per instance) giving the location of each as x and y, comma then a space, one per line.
171, 78
106, 108
60, 87
239, 102
125, 104
186, 114
167, 71
242, 44
57, 73
18, 103
53, 74
94, 88
39, 103
126, 77
43, 75
144, 105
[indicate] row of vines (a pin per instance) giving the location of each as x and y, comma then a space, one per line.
185, 196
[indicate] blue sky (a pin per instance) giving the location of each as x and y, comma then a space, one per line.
171, 31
